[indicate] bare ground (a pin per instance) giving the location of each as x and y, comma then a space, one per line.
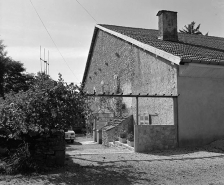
89, 163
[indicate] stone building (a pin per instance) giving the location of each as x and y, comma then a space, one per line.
162, 62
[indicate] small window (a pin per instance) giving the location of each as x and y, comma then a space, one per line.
145, 119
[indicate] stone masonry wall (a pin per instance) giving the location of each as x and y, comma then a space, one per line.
155, 137
108, 136
50, 150
116, 61
113, 134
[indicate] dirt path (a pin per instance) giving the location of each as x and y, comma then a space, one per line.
86, 146
89, 163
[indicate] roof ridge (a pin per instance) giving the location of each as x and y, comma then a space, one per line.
186, 34
126, 27
204, 36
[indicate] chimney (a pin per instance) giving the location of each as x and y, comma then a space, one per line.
167, 25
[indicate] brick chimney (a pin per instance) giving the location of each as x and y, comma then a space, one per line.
167, 25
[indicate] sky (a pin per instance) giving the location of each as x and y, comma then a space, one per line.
69, 25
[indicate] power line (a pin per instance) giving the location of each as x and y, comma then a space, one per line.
86, 10
52, 39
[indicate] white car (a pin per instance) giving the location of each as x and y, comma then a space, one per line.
70, 136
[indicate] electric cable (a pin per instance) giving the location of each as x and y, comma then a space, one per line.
52, 39
86, 10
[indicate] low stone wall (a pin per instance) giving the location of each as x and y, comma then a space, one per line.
108, 135
154, 137
111, 133
50, 150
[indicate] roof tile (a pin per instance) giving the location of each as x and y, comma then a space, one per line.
191, 47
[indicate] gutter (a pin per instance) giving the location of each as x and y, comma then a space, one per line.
202, 62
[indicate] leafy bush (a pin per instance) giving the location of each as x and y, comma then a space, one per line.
130, 137
42, 108
48, 105
21, 161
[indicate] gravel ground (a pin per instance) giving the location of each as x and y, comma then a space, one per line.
89, 163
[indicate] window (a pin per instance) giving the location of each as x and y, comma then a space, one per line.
145, 119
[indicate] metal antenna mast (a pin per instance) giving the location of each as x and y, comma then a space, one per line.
48, 63
40, 61
44, 62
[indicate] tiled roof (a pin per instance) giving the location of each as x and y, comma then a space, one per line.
189, 47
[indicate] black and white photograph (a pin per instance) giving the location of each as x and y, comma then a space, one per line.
122, 92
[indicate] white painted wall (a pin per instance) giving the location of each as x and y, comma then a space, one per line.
200, 104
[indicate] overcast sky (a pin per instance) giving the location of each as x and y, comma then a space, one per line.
71, 27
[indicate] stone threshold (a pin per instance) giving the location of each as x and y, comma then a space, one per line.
119, 144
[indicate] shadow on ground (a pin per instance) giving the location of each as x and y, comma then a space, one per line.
75, 143
188, 150
100, 175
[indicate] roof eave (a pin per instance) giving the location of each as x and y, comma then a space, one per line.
183, 61
89, 56
168, 56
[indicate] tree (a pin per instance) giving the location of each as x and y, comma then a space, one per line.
12, 74
2, 67
45, 106
190, 29
15, 78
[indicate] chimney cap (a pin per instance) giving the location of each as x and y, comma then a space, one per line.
162, 11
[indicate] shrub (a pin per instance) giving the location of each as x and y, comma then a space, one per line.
130, 137
21, 161
46, 106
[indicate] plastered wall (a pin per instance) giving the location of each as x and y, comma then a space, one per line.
200, 105
138, 71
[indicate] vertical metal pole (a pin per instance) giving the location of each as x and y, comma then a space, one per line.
136, 110
44, 60
46, 66
40, 61
48, 63
175, 100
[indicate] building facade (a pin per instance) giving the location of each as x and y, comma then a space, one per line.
163, 62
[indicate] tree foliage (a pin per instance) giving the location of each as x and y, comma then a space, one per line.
34, 107
45, 106
12, 74
190, 29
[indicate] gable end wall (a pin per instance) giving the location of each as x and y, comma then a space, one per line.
138, 71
